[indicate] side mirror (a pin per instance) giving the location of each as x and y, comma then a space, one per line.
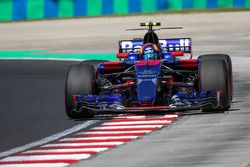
121, 55
177, 54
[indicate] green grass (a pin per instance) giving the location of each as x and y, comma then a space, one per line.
38, 54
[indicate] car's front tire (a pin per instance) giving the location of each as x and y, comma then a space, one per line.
80, 79
228, 61
214, 75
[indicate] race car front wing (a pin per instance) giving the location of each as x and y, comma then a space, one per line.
112, 104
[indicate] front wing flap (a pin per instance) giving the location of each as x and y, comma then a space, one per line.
204, 103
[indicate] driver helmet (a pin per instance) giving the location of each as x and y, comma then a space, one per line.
149, 51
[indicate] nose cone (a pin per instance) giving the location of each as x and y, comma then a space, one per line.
147, 76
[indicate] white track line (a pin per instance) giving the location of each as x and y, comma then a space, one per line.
144, 116
82, 144
36, 165
98, 138
47, 139
136, 122
130, 117
47, 157
128, 127
113, 132
67, 150
171, 116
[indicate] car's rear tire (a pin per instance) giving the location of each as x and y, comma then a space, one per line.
214, 75
79, 80
228, 61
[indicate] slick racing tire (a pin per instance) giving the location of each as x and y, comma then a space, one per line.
214, 75
228, 61
79, 80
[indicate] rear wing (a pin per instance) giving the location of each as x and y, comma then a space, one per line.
130, 46
166, 45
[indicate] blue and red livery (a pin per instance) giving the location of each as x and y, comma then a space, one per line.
165, 77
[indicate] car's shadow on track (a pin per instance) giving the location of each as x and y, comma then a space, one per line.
97, 117
234, 102
199, 112
208, 112
105, 117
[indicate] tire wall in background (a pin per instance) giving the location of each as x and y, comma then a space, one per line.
40, 9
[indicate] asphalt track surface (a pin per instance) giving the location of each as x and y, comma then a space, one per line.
31, 101
31, 92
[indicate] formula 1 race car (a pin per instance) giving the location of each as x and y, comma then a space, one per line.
151, 75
